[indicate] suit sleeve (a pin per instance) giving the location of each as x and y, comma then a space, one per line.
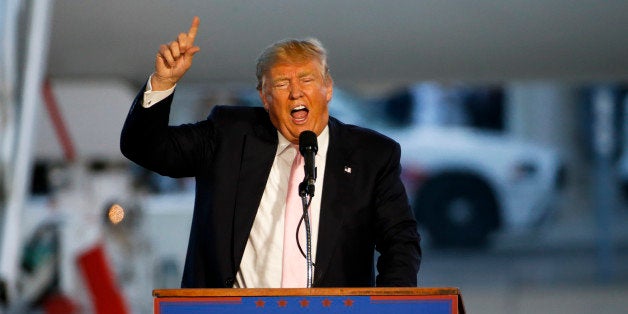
397, 239
175, 151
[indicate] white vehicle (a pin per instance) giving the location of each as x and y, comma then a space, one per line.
465, 183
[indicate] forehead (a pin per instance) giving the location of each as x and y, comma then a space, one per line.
289, 68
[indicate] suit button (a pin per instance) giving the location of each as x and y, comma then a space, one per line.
229, 282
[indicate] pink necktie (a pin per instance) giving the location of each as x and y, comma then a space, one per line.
294, 266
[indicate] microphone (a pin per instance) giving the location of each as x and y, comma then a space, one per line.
308, 146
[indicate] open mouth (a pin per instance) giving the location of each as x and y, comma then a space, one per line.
299, 113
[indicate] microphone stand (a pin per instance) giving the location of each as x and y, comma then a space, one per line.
306, 190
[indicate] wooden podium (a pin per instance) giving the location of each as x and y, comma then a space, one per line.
315, 300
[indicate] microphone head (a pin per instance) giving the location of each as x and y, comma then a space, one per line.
307, 142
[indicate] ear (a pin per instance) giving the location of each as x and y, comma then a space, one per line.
262, 97
330, 88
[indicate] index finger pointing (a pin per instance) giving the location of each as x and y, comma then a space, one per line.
194, 28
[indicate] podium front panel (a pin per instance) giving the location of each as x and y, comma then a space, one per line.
316, 300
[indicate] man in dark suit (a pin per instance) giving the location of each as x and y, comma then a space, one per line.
241, 159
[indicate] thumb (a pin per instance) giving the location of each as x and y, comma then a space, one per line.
192, 51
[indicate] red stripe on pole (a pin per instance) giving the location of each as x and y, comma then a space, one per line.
57, 122
101, 283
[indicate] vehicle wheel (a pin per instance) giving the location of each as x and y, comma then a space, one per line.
458, 210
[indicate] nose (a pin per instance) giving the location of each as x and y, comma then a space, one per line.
295, 90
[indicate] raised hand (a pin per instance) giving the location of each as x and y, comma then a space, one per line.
175, 58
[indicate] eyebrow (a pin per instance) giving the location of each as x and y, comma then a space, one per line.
305, 73
280, 79
286, 78
300, 75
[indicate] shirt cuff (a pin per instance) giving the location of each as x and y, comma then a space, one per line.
152, 97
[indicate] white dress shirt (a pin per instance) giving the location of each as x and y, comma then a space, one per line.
262, 259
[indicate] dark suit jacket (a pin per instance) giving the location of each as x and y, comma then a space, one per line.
231, 153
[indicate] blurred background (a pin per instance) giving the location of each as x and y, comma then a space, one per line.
512, 116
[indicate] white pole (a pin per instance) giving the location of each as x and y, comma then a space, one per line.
8, 85
34, 69
9, 11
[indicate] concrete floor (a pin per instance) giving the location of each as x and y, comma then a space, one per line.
555, 269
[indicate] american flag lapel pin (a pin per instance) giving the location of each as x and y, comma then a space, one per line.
347, 169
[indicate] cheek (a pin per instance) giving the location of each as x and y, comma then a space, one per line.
276, 113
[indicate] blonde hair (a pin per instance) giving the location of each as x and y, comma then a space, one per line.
293, 50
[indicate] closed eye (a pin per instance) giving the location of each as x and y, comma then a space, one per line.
307, 79
281, 84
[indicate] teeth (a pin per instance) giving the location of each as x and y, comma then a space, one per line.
297, 108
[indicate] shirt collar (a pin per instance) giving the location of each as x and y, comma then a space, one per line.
322, 139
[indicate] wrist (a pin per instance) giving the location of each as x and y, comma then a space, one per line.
159, 84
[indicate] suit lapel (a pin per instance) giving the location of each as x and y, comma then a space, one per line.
334, 198
258, 153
